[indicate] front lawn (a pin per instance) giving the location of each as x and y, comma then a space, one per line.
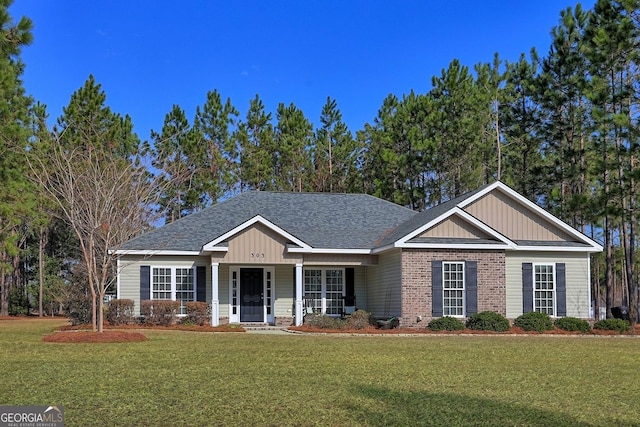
178, 378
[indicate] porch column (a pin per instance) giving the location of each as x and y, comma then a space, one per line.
215, 303
299, 313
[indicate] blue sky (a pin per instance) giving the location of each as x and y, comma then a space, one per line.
149, 55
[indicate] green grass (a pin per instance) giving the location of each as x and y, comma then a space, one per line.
201, 379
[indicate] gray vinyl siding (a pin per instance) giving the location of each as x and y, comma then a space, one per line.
360, 287
130, 273
384, 285
577, 280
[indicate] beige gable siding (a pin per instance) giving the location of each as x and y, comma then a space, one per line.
514, 220
384, 285
455, 227
340, 259
577, 280
258, 245
130, 272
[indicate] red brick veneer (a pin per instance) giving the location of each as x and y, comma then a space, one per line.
416, 281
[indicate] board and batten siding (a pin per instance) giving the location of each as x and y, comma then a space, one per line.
130, 273
384, 285
514, 220
455, 227
577, 280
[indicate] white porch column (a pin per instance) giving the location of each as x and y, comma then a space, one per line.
215, 303
299, 312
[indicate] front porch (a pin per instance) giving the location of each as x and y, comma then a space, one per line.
281, 294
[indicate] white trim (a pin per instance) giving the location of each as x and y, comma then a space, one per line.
299, 290
591, 304
269, 318
154, 252
464, 289
555, 285
215, 294
118, 269
507, 243
311, 250
234, 318
588, 249
533, 206
212, 246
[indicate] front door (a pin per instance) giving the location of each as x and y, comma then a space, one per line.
251, 295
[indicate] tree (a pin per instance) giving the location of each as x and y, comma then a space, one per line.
334, 152
16, 203
171, 157
256, 141
611, 48
214, 153
293, 152
105, 199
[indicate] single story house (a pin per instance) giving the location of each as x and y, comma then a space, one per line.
271, 257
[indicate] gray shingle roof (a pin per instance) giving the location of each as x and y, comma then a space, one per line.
321, 220
425, 217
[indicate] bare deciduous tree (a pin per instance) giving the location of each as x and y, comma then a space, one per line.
105, 199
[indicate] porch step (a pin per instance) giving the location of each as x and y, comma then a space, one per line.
261, 327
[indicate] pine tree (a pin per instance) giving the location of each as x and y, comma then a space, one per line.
16, 203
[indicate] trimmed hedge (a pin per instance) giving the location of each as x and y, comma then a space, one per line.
159, 312
572, 324
446, 323
197, 313
534, 321
120, 312
324, 322
360, 319
619, 325
488, 321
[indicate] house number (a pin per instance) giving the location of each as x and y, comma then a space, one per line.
257, 254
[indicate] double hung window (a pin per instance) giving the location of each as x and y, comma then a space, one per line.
453, 289
544, 289
324, 290
173, 283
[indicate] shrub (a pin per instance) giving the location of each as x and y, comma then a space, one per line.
324, 322
360, 319
572, 324
120, 312
197, 313
488, 321
619, 325
159, 312
446, 323
534, 321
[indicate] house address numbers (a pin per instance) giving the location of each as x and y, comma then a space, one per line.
257, 255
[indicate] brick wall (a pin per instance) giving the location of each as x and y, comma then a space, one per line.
416, 282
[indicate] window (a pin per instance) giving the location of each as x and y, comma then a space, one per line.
543, 289
324, 290
161, 283
453, 288
185, 289
176, 284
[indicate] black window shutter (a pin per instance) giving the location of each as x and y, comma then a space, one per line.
349, 289
527, 287
201, 283
145, 282
561, 290
436, 288
471, 285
